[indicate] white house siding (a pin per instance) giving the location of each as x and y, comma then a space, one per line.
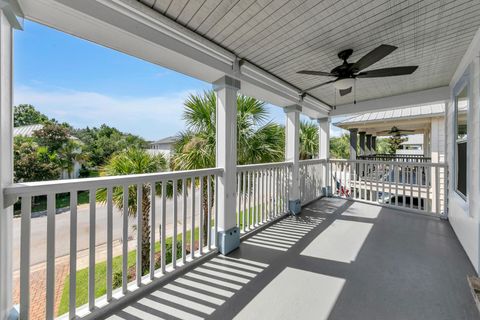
464, 215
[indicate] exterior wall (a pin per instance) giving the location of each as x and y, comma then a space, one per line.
464, 214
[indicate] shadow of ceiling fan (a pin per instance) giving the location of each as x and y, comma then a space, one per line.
347, 72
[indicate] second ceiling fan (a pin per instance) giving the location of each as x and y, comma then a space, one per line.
347, 72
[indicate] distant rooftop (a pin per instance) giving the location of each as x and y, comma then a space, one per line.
397, 114
170, 139
26, 131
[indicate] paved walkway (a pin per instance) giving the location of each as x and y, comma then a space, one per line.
337, 260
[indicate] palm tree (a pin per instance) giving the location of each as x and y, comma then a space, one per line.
308, 140
258, 140
134, 161
70, 153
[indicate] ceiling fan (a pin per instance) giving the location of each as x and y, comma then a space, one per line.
347, 72
394, 131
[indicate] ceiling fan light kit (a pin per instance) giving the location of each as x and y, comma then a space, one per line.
347, 72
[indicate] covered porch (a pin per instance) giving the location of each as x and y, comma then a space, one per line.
338, 260
378, 243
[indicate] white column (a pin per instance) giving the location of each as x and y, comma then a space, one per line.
292, 154
324, 152
353, 144
226, 158
324, 138
426, 143
6, 164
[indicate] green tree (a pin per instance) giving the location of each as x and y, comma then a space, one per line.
258, 140
69, 153
33, 162
308, 140
101, 143
53, 136
394, 142
340, 147
26, 114
134, 161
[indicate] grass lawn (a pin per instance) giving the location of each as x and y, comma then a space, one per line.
101, 276
62, 200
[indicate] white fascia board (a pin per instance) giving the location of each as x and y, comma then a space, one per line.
131, 27
429, 96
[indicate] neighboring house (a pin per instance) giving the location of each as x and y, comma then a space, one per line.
27, 131
164, 146
413, 145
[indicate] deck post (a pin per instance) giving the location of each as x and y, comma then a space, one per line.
353, 143
6, 166
374, 145
324, 150
368, 150
362, 143
292, 154
226, 89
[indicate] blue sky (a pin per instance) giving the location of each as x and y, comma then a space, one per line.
85, 84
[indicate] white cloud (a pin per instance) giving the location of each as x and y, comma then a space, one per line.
151, 117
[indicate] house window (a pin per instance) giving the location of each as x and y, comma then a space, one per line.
461, 134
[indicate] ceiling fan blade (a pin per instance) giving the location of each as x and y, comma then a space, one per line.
316, 73
345, 91
406, 130
373, 56
319, 85
387, 72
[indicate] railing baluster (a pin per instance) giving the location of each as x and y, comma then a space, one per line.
437, 190
216, 212
396, 177
125, 190
427, 188
410, 170
91, 248
109, 243
184, 221
163, 227
239, 197
152, 229
244, 195
419, 187
139, 236
175, 213
209, 213
25, 257
72, 305
50, 296
192, 231
249, 194
200, 220
254, 198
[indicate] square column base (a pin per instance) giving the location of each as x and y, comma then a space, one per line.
294, 206
228, 240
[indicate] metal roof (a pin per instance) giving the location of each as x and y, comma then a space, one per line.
283, 37
170, 139
26, 131
426, 111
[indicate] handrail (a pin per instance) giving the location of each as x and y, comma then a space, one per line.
425, 164
58, 186
263, 165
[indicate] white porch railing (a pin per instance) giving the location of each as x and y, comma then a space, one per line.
420, 187
192, 238
262, 193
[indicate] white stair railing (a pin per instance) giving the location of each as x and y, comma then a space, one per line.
198, 237
262, 193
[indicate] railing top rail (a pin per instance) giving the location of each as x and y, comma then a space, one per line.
396, 163
264, 166
313, 161
59, 186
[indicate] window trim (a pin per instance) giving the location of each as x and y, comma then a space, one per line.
463, 83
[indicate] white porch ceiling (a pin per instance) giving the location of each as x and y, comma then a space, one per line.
285, 36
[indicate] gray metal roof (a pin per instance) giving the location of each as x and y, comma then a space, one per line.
26, 131
426, 111
170, 139
283, 37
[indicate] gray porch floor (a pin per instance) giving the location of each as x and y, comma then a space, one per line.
338, 260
